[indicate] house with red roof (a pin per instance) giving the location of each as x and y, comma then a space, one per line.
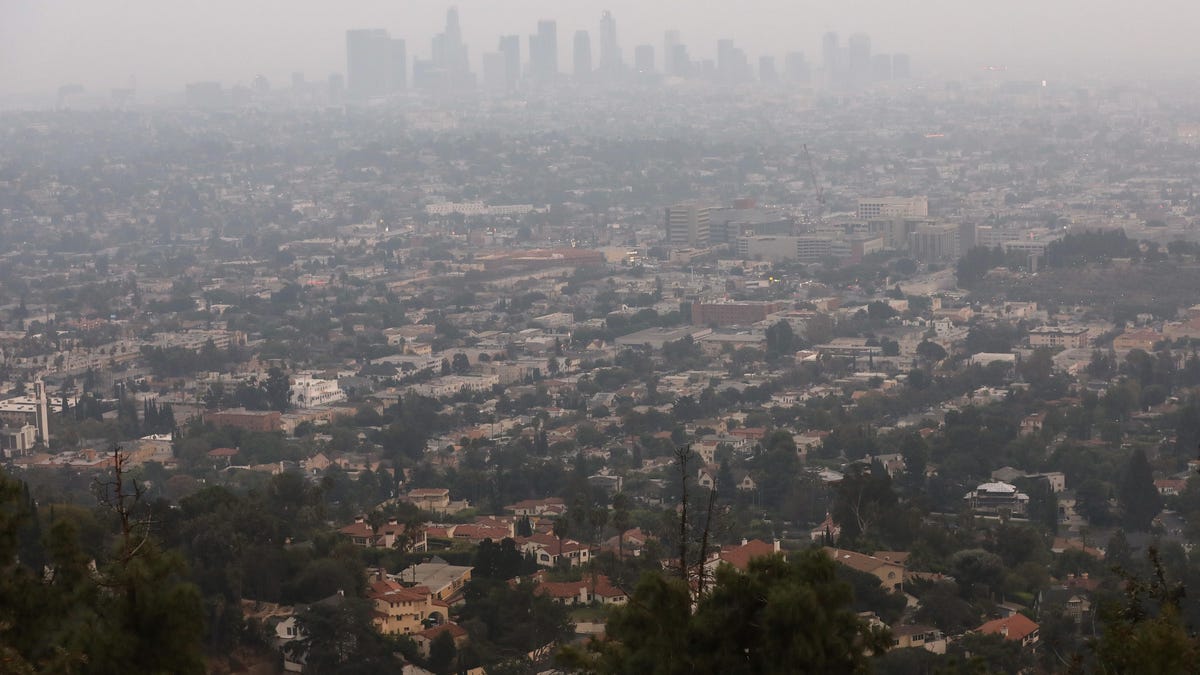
634, 541
403, 609
483, 528
436, 500
391, 534
547, 549
360, 532
827, 528
550, 506
582, 592
1016, 628
740, 555
1169, 487
890, 569
426, 637
222, 456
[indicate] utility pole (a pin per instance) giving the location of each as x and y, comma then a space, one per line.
816, 183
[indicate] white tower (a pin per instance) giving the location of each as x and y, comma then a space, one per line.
43, 412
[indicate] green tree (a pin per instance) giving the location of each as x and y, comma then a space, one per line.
777, 617
278, 389
338, 637
150, 620
1139, 499
780, 339
442, 653
1147, 633
930, 352
977, 571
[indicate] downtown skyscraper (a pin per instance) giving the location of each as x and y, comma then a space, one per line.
376, 64
543, 52
610, 51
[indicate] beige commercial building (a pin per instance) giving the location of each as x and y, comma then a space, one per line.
893, 207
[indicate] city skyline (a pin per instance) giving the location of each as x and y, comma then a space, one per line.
64, 42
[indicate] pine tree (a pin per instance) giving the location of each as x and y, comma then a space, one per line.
1138, 497
777, 617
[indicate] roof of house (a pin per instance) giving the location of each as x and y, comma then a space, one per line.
481, 531
392, 528
858, 561
223, 452
392, 591
456, 631
740, 556
570, 589
900, 631
428, 492
441, 531
827, 525
1061, 544
436, 574
358, 529
1015, 627
550, 542
526, 504
898, 557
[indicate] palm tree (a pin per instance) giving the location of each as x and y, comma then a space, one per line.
560, 530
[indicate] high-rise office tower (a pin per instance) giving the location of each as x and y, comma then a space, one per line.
681, 62
510, 47
725, 59
337, 88
901, 67
881, 67
859, 65
766, 69
450, 67
368, 62
732, 65
610, 51
796, 68
543, 51
495, 75
687, 225
643, 58
398, 66
831, 60
670, 41
582, 61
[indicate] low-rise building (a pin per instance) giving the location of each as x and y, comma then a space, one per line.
1144, 339
246, 420
404, 610
997, 497
310, 392
1015, 628
548, 549
888, 570
583, 592
440, 577
925, 637
1056, 337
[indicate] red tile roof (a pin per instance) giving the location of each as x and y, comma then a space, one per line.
392, 591
361, 529
740, 556
456, 631
1015, 627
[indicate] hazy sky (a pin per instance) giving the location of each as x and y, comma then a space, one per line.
165, 43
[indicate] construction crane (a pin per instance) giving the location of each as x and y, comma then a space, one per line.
820, 192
